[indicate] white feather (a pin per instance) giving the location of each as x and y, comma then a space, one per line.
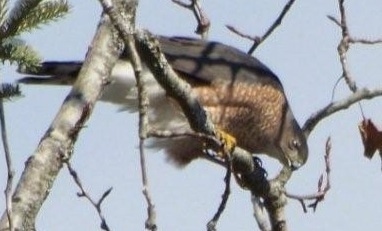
163, 112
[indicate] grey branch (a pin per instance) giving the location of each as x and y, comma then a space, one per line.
211, 225
200, 16
44, 165
260, 213
10, 171
336, 106
84, 193
345, 42
123, 20
322, 189
257, 40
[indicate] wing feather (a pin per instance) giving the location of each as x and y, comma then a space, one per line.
212, 61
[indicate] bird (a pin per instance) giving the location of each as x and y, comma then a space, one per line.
241, 95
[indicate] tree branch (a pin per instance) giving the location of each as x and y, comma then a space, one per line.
260, 213
97, 205
336, 106
258, 40
43, 166
125, 27
343, 47
345, 42
211, 225
143, 130
10, 171
322, 191
200, 16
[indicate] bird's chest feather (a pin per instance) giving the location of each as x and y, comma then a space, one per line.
250, 112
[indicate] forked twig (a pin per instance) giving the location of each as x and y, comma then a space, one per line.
84, 193
257, 40
345, 42
358, 94
322, 189
211, 225
200, 16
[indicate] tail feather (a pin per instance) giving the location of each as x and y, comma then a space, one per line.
56, 73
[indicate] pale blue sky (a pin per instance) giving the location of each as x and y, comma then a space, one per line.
302, 52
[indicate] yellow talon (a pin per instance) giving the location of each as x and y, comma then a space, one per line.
228, 142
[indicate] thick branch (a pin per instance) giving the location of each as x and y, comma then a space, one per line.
43, 166
260, 214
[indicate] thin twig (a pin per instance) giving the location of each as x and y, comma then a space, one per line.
258, 40
125, 31
143, 101
200, 16
255, 39
365, 41
322, 191
211, 225
10, 171
345, 42
327, 187
151, 214
84, 193
336, 106
343, 47
333, 19
357, 95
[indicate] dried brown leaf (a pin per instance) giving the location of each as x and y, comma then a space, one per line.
371, 137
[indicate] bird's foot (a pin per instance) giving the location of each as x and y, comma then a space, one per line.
228, 143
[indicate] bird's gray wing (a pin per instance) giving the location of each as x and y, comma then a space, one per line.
213, 61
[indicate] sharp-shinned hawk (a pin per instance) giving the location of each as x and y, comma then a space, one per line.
243, 97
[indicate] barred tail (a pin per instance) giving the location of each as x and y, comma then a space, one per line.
52, 73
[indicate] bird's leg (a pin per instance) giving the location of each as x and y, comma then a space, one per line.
228, 143
220, 147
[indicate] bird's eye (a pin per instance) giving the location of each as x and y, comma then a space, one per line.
294, 144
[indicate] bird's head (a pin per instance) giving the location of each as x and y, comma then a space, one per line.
292, 142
